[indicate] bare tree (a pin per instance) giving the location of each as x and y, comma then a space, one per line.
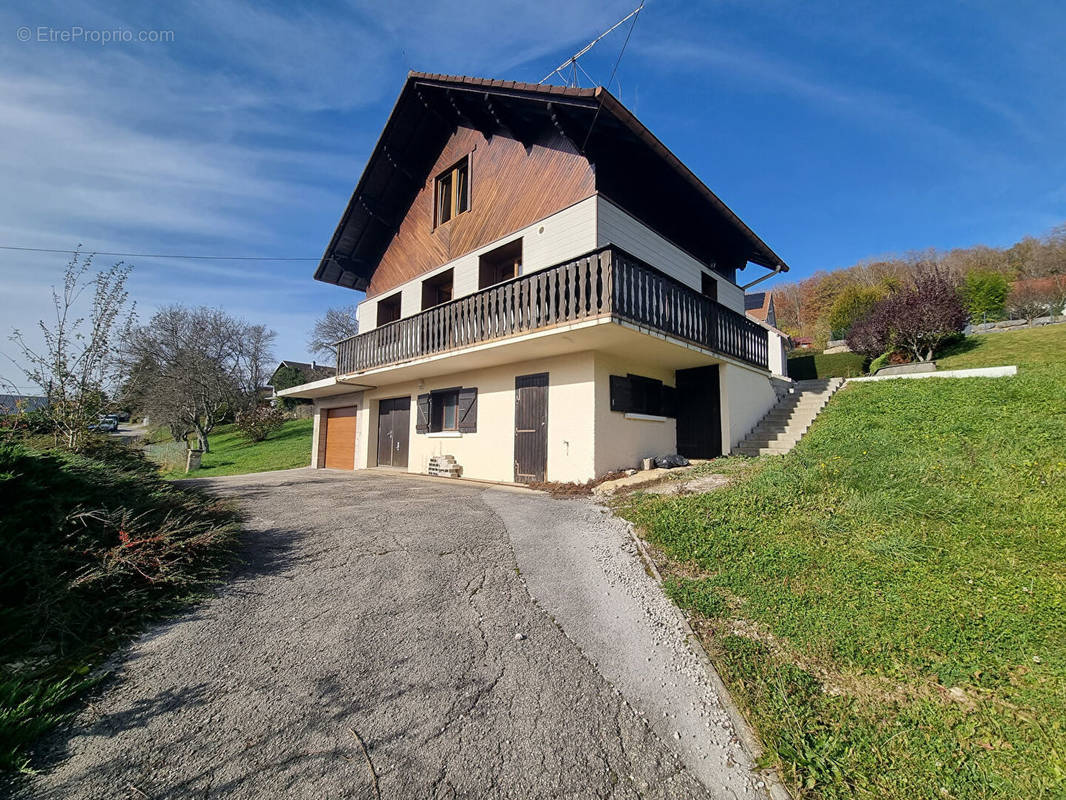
192, 367
1033, 298
77, 366
334, 325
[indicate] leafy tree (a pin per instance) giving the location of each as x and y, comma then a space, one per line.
985, 294
77, 366
918, 318
286, 377
334, 325
851, 305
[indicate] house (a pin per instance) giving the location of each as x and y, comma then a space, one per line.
300, 372
760, 306
803, 342
550, 294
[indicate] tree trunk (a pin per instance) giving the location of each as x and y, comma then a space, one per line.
201, 437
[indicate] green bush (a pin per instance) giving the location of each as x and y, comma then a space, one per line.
838, 365
880, 361
851, 305
92, 546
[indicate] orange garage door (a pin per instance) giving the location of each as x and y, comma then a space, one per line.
340, 438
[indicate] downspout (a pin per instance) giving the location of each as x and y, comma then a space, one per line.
777, 271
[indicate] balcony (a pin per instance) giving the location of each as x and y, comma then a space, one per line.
607, 283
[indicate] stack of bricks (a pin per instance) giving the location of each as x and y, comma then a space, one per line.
444, 466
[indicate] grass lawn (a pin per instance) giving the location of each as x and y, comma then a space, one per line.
888, 601
232, 454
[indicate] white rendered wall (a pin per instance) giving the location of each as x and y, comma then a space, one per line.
615, 226
746, 397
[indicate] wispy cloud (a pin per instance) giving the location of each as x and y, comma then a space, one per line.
242, 136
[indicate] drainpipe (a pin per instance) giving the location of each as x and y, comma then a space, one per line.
767, 276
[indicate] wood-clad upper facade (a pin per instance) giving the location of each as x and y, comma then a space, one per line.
530, 151
510, 186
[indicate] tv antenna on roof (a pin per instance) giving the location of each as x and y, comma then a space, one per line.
573, 66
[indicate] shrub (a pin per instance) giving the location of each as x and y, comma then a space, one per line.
877, 363
819, 365
984, 293
918, 318
852, 304
102, 544
256, 424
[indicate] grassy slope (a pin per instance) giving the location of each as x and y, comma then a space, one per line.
92, 547
888, 602
232, 454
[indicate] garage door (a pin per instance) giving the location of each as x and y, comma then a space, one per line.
340, 438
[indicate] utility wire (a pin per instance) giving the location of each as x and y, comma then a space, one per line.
156, 255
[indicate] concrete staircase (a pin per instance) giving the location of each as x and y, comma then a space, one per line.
786, 422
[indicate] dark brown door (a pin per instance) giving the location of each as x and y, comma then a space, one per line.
699, 412
340, 438
530, 427
394, 431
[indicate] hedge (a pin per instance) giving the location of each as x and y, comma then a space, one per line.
837, 365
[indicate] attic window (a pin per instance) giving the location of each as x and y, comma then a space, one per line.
453, 191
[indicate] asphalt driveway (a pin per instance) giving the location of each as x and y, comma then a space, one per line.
382, 640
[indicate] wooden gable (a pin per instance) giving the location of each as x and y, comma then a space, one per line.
511, 187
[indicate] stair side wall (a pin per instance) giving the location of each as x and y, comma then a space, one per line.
746, 398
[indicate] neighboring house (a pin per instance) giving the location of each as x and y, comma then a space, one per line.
803, 342
308, 372
14, 403
550, 294
760, 306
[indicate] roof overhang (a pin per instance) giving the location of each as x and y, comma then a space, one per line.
628, 159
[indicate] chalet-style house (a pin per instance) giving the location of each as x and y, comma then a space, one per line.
550, 294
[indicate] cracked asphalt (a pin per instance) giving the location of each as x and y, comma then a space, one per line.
379, 641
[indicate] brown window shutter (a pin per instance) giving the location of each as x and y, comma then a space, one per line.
468, 410
422, 423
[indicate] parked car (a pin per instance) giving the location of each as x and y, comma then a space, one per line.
123, 416
107, 423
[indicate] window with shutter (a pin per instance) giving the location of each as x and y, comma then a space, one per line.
422, 422
635, 394
453, 409
468, 410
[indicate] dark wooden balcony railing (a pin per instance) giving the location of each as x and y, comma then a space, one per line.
607, 282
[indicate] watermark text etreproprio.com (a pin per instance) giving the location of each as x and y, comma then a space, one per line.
76, 34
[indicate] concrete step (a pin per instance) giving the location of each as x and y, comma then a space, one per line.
787, 422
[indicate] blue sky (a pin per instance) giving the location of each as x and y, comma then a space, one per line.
838, 131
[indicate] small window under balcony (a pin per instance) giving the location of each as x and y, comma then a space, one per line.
389, 309
499, 265
709, 286
437, 290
